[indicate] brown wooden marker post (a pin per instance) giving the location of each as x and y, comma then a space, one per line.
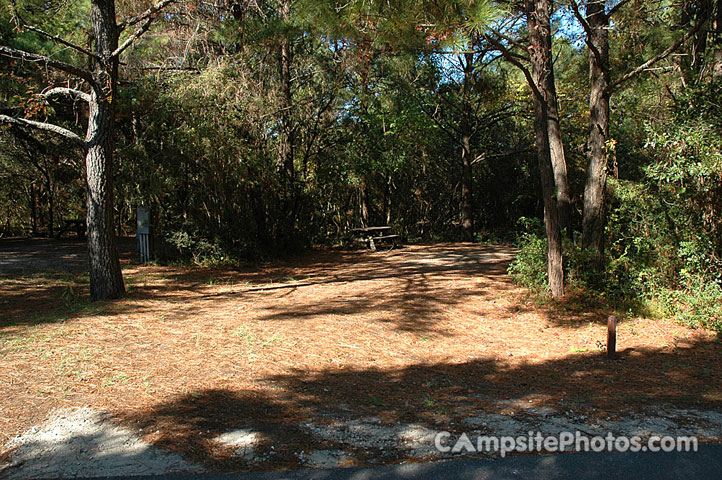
611, 336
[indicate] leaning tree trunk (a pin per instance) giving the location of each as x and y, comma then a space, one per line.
467, 178
538, 21
594, 189
556, 145
106, 280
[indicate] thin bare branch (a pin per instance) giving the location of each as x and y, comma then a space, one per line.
129, 41
32, 57
508, 39
143, 16
515, 61
70, 92
61, 41
587, 29
661, 56
615, 8
147, 18
48, 127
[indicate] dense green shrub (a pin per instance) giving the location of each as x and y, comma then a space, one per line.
664, 228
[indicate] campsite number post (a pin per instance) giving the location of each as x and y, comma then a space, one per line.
611, 336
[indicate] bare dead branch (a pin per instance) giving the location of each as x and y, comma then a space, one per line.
129, 22
147, 18
138, 33
70, 92
48, 127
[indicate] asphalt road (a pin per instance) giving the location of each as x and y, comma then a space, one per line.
706, 463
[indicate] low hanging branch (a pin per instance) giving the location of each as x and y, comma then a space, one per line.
48, 127
81, 73
15, 54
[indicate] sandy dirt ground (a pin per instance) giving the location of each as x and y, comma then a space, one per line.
334, 358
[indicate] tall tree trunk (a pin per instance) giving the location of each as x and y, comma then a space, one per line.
51, 209
556, 148
34, 209
594, 189
106, 280
556, 143
467, 179
538, 23
467, 209
286, 137
695, 61
387, 199
717, 37
364, 200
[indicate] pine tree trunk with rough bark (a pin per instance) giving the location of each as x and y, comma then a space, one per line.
106, 280
467, 178
594, 189
538, 23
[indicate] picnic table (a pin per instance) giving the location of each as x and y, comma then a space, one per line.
78, 225
371, 235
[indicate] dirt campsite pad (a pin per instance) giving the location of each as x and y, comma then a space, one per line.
335, 358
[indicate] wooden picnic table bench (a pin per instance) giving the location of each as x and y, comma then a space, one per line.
371, 235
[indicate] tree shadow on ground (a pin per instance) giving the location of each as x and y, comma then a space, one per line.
434, 396
398, 286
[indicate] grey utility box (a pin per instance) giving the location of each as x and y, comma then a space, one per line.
144, 235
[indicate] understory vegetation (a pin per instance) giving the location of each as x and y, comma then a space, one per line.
663, 239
